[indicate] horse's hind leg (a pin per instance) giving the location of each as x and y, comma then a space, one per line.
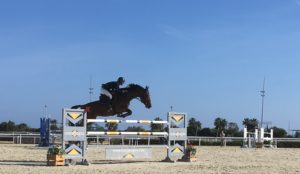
128, 112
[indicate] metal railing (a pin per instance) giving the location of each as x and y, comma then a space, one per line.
19, 137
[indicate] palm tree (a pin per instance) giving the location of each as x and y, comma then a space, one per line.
250, 124
220, 125
157, 127
232, 129
194, 127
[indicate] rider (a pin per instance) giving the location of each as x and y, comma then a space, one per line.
109, 88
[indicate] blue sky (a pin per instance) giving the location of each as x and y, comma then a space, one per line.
206, 58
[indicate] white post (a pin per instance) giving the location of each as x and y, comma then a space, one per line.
271, 142
271, 134
245, 133
256, 135
97, 140
249, 141
262, 135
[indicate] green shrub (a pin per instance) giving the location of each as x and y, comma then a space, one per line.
55, 150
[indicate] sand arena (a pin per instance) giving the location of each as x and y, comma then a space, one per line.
28, 159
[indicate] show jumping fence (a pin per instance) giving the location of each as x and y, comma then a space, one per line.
254, 139
75, 136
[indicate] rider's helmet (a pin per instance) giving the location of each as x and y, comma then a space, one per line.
121, 80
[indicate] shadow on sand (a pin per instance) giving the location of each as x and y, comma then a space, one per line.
118, 162
22, 163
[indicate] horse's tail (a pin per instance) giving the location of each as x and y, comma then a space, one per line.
77, 107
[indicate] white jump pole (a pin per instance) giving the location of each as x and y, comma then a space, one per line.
126, 133
127, 121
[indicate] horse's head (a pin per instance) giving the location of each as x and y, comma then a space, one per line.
142, 94
145, 98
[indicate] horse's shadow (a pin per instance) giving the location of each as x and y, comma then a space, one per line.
22, 163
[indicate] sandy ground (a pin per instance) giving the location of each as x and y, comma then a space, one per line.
28, 159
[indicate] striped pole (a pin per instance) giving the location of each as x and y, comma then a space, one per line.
126, 121
125, 133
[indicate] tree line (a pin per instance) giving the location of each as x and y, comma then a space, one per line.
230, 129
13, 127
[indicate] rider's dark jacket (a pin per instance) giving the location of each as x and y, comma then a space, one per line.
111, 86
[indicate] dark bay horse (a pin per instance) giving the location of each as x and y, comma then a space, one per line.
120, 102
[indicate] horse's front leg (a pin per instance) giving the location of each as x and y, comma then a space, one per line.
128, 112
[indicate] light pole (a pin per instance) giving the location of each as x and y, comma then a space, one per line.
262, 111
91, 89
262, 103
46, 112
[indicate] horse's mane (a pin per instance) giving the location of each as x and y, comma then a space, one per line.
132, 85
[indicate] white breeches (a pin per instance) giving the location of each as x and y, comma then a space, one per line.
106, 92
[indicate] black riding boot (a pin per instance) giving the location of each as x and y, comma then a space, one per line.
109, 109
106, 101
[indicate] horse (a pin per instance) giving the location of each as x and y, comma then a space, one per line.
119, 104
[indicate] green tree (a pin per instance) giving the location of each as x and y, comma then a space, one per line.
297, 134
94, 127
250, 124
279, 132
194, 127
206, 132
157, 127
3, 126
11, 126
135, 129
232, 129
53, 124
220, 125
22, 127
111, 126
